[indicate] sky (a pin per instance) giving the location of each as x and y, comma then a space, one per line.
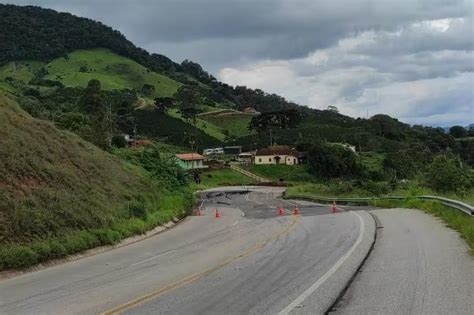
411, 59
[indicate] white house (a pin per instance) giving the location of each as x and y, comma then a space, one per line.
277, 154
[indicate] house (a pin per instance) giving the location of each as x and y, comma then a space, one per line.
190, 161
278, 154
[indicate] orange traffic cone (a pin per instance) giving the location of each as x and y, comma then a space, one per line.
296, 211
218, 214
281, 211
334, 208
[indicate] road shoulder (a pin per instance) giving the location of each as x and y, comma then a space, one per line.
416, 259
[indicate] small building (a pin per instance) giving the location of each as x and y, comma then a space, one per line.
190, 161
233, 150
245, 158
278, 154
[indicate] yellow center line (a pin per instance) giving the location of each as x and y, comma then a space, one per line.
180, 283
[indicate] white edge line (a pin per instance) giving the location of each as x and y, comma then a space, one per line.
328, 273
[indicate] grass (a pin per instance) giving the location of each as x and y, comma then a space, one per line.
59, 194
207, 127
113, 71
236, 124
21, 70
289, 173
222, 177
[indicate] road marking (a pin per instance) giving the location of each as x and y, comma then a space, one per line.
328, 273
156, 256
235, 223
173, 286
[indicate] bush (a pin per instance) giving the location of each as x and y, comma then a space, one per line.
17, 256
446, 174
119, 141
138, 210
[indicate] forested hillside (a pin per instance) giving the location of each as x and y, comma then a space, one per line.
47, 60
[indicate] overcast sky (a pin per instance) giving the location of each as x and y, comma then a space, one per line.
411, 59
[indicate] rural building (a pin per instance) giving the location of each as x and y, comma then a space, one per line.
233, 150
278, 154
190, 161
245, 158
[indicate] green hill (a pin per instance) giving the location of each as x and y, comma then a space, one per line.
59, 194
77, 68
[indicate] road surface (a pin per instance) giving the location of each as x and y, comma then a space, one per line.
251, 261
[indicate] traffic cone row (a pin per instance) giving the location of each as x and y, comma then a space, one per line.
200, 213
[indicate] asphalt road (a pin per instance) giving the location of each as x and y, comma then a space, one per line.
418, 266
253, 261
250, 260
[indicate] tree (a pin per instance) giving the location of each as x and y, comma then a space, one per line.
470, 133
283, 119
446, 174
189, 114
92, 103
163, 104
458, 131
332, 160
148, 89
119, 141
188, 98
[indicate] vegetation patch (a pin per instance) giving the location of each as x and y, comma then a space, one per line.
222, 177
60, 194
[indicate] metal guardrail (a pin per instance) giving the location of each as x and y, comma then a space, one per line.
455, 204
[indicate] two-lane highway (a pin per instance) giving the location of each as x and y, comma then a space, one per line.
251, 260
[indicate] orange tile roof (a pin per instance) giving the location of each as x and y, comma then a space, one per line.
190, 156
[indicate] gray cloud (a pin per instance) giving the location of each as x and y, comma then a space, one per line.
409, 58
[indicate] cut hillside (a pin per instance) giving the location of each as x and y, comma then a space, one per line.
52, 182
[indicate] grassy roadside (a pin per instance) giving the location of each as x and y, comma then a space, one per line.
222, 177
158, 211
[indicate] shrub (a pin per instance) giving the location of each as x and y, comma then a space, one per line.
17, 256
57, 249
446, 174
138, 210
119, 141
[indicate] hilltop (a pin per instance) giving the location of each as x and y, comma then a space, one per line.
48, 57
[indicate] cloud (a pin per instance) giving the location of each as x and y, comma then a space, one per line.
432, 87
409, 58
